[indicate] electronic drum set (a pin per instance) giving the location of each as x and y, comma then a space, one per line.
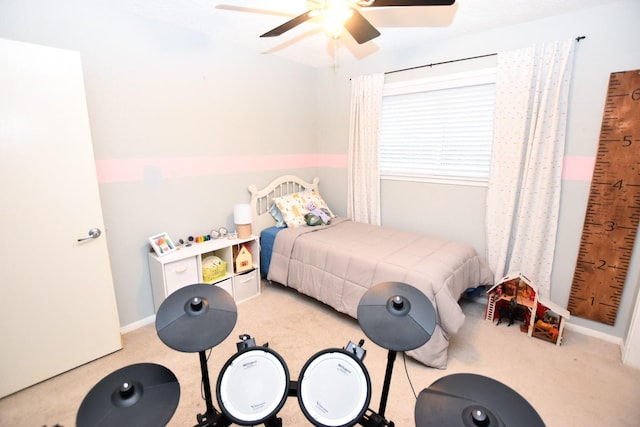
333, 388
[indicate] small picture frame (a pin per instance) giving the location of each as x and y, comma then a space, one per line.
162, 244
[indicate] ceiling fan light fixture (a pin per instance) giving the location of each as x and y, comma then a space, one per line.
336, 14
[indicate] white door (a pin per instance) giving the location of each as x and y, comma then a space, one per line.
57, 303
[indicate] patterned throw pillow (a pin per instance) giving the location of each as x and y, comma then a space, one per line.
293, 207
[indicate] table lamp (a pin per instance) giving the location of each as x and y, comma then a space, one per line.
242, 219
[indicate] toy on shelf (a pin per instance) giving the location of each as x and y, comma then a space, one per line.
213, 268
218, 233
517, 299
243, 259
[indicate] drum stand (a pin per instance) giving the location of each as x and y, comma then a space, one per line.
273, 422
210, 310
398, 317
211, 418
377, 419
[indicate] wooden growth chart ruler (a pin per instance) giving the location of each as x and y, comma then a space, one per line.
613, 208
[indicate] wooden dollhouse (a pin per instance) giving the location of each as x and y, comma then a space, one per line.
243, 259
516, 299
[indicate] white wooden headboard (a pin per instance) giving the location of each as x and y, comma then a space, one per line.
261, 200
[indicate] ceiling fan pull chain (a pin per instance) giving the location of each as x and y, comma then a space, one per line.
335, 54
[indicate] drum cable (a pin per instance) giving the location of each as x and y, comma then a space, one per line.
406, 370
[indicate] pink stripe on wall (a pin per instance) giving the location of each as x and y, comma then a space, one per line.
576, 168
127, 170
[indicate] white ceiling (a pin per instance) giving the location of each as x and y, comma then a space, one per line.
242, 22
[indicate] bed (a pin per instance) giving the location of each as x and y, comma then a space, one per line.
338, 262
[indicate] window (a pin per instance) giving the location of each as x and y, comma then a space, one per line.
438, 129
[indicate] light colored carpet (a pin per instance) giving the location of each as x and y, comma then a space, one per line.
581, 383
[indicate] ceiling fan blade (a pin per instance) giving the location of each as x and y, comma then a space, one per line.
361, 29
289, 24
383, 3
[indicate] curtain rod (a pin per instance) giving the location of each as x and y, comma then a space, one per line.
455, 60
440, 63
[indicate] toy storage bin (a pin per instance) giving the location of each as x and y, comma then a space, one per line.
213, 268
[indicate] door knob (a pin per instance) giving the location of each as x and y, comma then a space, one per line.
94, 233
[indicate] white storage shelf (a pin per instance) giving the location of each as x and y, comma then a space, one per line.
184, 267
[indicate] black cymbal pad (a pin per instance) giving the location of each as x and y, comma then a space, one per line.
196, 317
396, 316
470, 400
136, 395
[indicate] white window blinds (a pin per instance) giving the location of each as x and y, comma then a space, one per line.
438, 129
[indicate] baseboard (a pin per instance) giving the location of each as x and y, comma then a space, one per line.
139, 324
593, 333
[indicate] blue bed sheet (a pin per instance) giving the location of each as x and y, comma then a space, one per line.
267, 239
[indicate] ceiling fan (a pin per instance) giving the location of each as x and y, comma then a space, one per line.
338, 14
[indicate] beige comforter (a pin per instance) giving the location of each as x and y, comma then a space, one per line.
338, 263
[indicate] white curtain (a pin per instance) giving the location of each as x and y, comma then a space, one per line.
523, 199
363, 190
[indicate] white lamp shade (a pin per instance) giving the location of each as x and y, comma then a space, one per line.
242, 213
